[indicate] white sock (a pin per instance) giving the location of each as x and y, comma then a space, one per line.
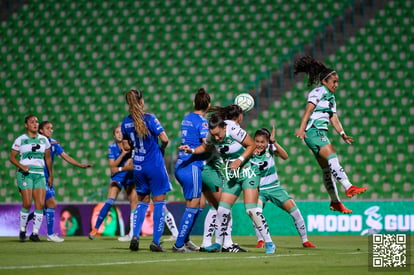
258, 235
228, 241
23, 220
210, 227
339, 173
259, 220
300, 224
131, 222
330, 185
223, 218
37, 221
170, 222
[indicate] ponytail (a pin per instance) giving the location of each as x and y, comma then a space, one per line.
316, 70
136, 109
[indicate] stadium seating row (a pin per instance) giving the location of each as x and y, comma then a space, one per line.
74, 60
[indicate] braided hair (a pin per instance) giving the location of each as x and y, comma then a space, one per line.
136, 109
316, 70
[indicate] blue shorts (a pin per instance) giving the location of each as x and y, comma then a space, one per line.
190, 179
50, 192
123, 179
151, 179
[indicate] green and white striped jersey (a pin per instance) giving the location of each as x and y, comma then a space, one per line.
32, 151
268, 172
325, 104
231, 147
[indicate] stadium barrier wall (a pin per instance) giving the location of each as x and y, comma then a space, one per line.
368, 217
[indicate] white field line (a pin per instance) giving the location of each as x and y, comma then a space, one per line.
148, 261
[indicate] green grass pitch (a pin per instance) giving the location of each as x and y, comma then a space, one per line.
78, 255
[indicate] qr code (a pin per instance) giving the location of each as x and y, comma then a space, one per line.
389, 251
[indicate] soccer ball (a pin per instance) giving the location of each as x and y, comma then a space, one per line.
245, 101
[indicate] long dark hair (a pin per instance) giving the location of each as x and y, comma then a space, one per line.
215, 121
263, 132
230, 112
26, 118
202, 100
43, 124
316, 70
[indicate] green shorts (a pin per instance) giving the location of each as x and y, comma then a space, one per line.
244, 178
278, 196
316, 139
212, 179
30, 181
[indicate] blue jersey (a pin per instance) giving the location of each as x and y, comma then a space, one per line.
55, 150
114, 152
123, 178
194, 128
146, 149
149, 168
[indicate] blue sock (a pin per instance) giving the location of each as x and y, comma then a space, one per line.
187, 222
139, 217
194, 222
104, 211
159, 220
50, 219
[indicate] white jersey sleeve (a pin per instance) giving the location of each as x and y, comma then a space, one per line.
315, 96
235, 131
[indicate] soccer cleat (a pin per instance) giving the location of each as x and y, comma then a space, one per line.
125, 238
308, 244
338, 206
156, 247
353, 190
260, 244
34, 238
22, 236
270, 248
192, 246
182, 249
92, 234
55, 238
134, 244
234, 248
215, 247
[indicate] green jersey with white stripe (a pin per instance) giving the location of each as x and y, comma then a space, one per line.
32, 151
231, 147
267, 167
325, 104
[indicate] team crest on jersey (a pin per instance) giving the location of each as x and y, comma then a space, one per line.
227, 140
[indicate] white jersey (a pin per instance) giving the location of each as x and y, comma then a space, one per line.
32, 151
231, 147
325, 104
